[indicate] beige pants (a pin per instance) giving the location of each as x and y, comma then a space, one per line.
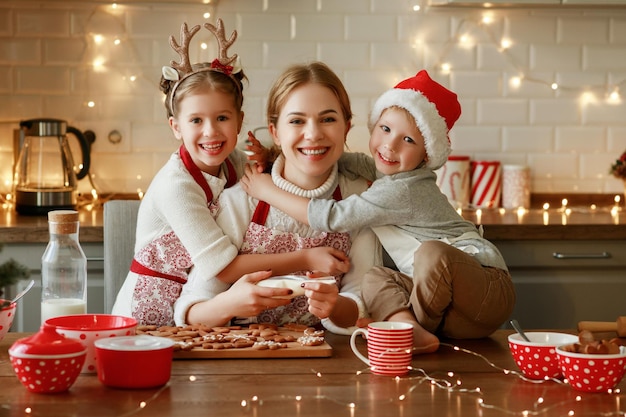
451, 294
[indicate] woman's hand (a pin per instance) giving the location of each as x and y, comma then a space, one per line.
321, 297
257, 184
247, 299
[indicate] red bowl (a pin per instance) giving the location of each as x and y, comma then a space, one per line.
537, 359
90, 327
134, 361
592, 373
7, 314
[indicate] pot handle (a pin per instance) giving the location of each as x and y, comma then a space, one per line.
85, 149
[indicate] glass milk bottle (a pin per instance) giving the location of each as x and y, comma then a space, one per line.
63, 268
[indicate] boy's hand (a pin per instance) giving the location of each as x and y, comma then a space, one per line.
327, 260
258, 153
257, 184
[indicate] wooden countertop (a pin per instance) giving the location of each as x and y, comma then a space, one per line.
463, 378
581, 222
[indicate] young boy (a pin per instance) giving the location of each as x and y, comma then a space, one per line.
451, 281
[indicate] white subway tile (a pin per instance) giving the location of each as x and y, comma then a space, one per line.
17, 107
505, 111
603, 113
276, 27
319, 28
49, 23
150, 138
616, 143
472, 139
554, 112
595, 166
531, 29
396, 56
40, 80
552, 166
527, 139
6, 80
583, 30
20, 52
348, 6
375, 28
421, 28
604, 57
283, 54
548, 57
581, 139
476, 84
346, 55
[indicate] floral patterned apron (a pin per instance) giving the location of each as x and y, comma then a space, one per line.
163, 265
261, 239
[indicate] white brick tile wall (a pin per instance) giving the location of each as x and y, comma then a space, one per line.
47, 50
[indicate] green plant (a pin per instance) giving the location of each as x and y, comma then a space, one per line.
11, 271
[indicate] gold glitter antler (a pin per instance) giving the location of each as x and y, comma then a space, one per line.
222, 42
184, 66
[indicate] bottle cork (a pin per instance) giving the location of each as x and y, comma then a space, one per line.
63, 222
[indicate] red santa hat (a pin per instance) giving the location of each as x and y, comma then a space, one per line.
434, 108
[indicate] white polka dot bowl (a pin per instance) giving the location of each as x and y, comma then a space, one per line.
537, 359
90, 327
6, 318
591, 372
47, 362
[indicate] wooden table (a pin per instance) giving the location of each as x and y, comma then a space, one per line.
337, 386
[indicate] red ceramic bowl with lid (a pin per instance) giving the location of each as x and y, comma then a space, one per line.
47, 362
134, 361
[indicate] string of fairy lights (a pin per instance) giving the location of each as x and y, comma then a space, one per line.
417, 382
100, 51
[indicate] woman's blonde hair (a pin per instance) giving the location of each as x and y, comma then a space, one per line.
297, 75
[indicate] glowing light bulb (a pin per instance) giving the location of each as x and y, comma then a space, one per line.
554, 86
505, 43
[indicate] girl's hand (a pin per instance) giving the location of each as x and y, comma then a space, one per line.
321, 297
257, 185
248, 299
327, 260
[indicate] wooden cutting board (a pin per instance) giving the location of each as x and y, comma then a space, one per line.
293, 349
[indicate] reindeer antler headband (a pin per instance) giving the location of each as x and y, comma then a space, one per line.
179, 71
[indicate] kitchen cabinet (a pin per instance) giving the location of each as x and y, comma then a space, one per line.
560, 283
28, 313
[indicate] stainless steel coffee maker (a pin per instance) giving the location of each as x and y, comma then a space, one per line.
45, 176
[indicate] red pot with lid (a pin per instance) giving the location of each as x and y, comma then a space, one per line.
47, 362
